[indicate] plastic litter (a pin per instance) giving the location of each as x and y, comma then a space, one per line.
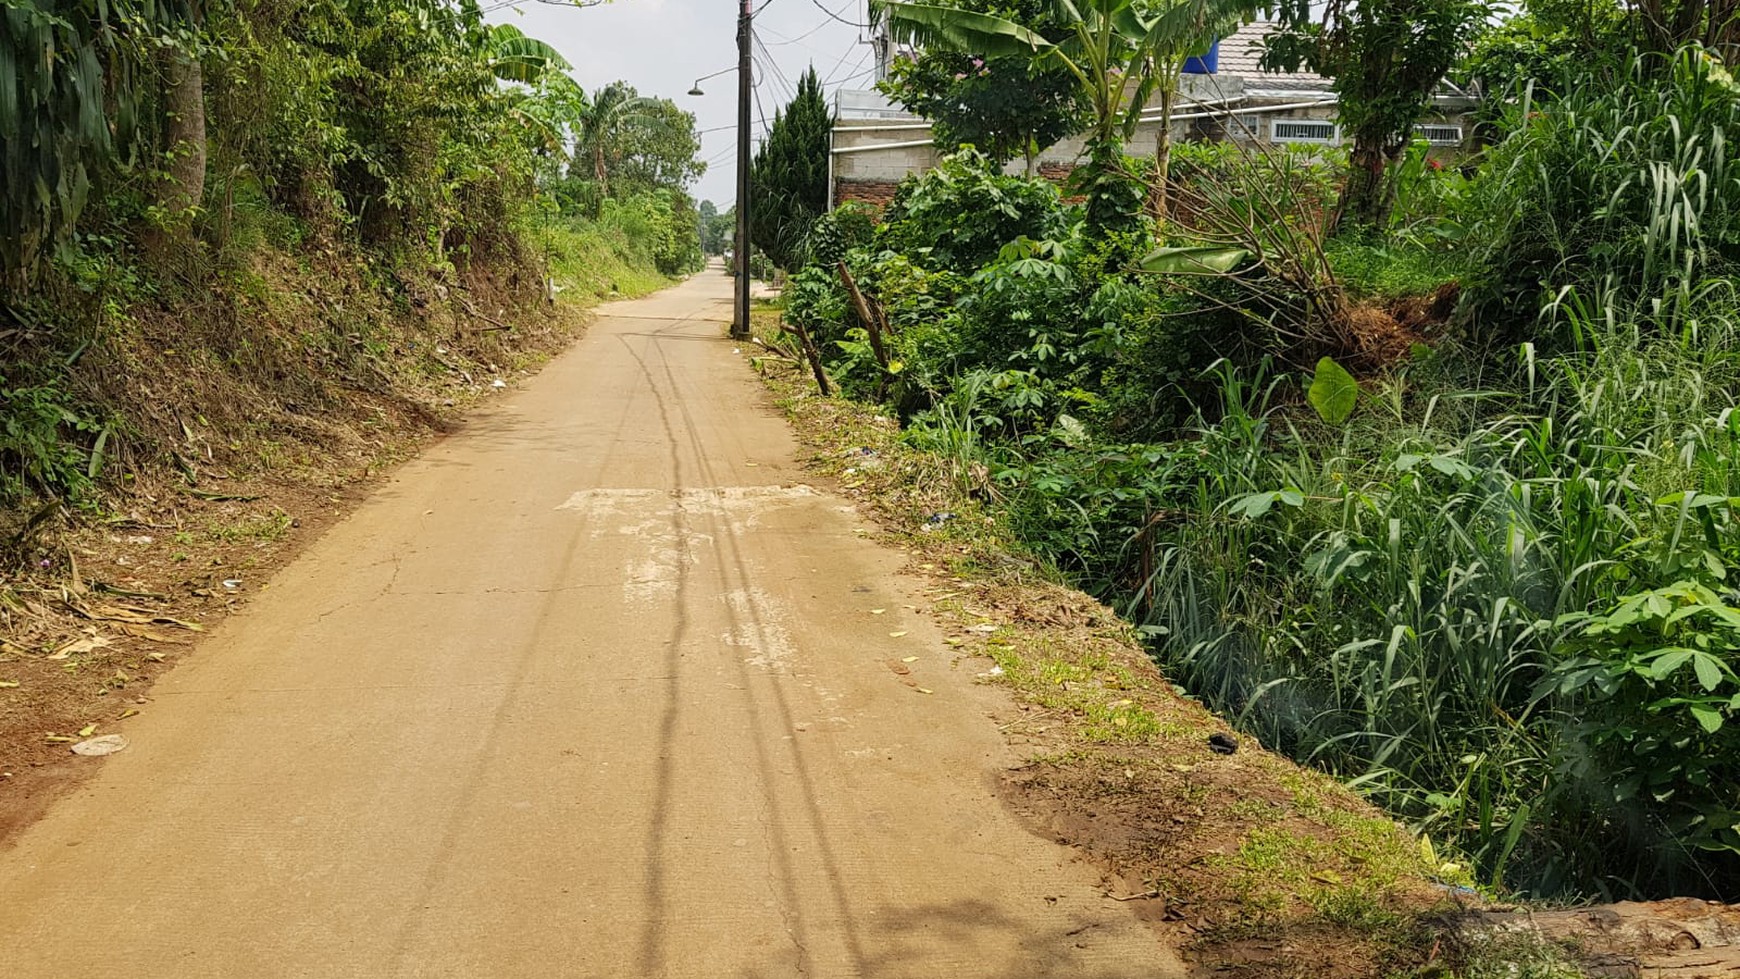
107, 744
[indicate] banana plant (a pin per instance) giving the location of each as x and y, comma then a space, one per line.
602, 122
75, 76
1119, 52
549, 102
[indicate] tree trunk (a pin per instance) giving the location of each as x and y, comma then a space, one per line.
184, 99
1365, 198
1161, 196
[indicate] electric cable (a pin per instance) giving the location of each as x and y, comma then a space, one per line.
831, 75
836, 15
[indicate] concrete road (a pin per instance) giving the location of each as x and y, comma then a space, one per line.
591, 689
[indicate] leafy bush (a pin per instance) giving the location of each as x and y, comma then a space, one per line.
837, 232
1495, 586
47, 444
958, 215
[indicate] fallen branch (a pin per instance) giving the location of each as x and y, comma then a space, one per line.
499, 325
770, 348
814, 356
220, 497
869, 314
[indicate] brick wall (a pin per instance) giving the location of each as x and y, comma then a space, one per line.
877, 193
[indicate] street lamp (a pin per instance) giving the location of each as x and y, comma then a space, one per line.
697, 89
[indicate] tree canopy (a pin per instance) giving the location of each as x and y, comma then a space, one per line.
1004, 106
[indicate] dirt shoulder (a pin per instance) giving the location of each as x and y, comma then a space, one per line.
1254, 866
105, 600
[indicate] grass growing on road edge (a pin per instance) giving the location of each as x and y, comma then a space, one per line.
1236, 851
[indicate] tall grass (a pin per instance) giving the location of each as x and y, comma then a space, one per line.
1389, 601
1501, 600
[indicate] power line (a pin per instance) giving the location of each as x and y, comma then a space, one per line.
836, 14
770, 65
782, 40
578, 4
857, 75
836, 71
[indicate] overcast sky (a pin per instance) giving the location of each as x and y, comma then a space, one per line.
661, 46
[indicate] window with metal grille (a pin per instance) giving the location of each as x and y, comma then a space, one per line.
1302, 131
1440, 135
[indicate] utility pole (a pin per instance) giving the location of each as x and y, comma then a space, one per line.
740, 319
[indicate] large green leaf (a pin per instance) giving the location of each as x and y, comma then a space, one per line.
517, 58
1334, 392
1195, 259
958, 30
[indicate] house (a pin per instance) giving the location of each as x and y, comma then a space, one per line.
1226, 96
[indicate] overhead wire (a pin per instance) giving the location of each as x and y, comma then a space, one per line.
781, 40
577, 4
770, 66
830, 80
857, 75
836, 69
836, 14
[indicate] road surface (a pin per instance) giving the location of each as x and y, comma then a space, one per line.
591, 689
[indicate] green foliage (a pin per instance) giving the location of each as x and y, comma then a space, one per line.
1489, 583
635, 144
789, 179
660, 223
1651, 686
47, 444
1385, 61
959, 214
717, 229
1004, 106
608, 257
67, 70
1195, 259
389, 151
1118, 51
1533, 47
1604, 204
1333, 393
837, 232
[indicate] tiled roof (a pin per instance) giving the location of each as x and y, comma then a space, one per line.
1240, 52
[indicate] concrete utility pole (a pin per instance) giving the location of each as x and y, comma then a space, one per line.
740, 319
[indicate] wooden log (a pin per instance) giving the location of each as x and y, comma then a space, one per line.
1679, 938
870, 316
813, 355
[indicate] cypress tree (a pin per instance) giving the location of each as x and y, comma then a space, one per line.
788, 182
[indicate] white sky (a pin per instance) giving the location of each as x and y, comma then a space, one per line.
661, 46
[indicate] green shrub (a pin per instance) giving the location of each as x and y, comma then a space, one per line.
837, 232
960, 213
48, 444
